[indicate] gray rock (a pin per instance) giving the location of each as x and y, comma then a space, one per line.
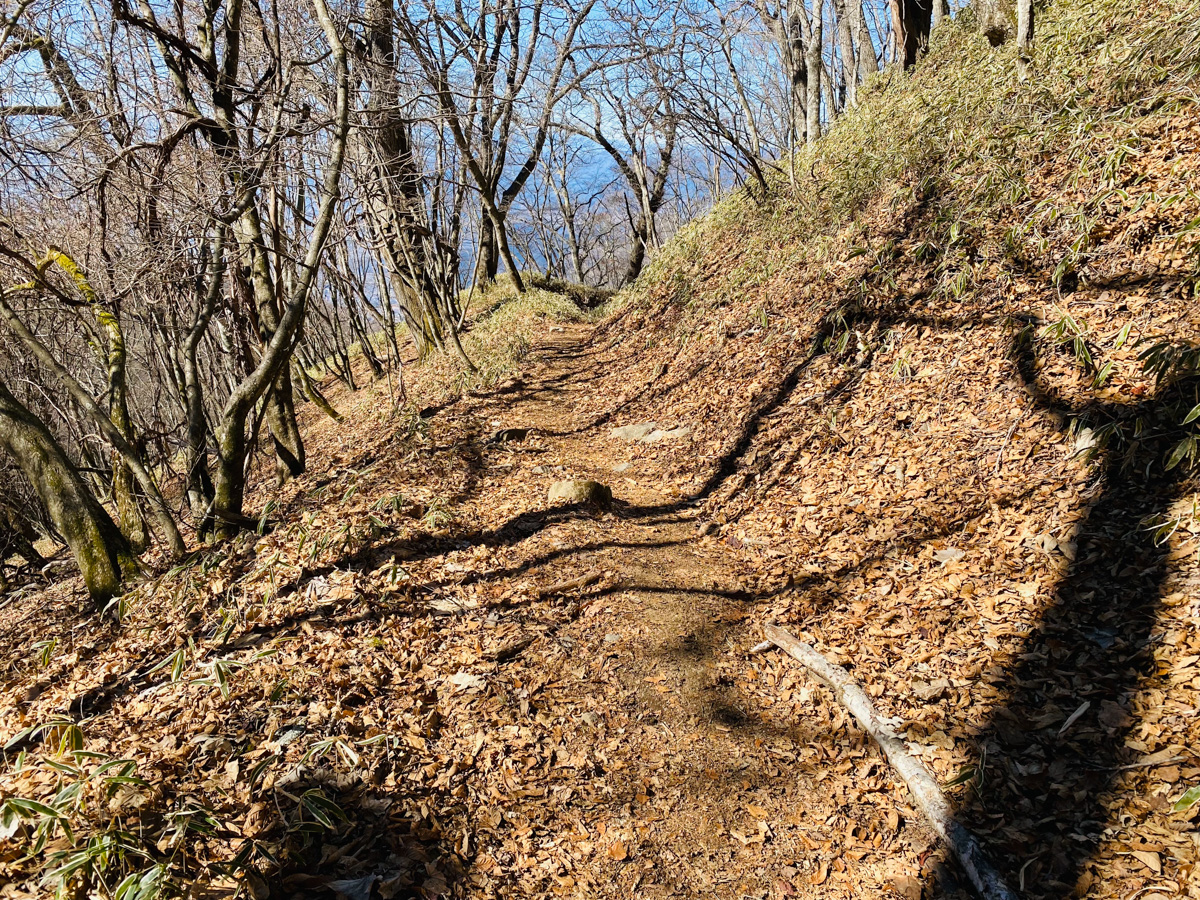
622, 467
634, 432
670, 435
580, 492
650, 433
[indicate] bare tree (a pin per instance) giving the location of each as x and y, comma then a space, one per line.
485, 71
636, 105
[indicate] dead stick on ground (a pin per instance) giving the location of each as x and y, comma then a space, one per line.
573, 585
922, 785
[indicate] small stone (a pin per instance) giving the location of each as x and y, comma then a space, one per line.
580, 492
539, 470
611, 638
622, 467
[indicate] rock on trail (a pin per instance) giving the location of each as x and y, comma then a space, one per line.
580, 492
650, 433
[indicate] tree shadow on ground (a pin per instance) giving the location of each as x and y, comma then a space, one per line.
1043, 818
331, 834
1088, 654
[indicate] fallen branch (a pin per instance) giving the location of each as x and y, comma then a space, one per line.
505, 652
921, 784
573, 585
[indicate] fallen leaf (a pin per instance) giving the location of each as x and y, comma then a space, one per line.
1150, 859
1074, 717
465, 681
354, 888
949, 555
1188, 800
819, 876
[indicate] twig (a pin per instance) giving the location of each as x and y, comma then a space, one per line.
921, 784
508, 651
1007, 438
573, 584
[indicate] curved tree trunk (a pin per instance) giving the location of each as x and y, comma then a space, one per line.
129, 511
230, 488
280, 404
104, 556
290, 457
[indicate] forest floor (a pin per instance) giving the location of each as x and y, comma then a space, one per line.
427, 680
505, 730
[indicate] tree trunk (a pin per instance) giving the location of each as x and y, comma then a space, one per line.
280, 404
868, 63
637, 253
199, 482
797, 59
997, 20
132, 522
812, 62
487, 260
850, 67
290, 459
162, 513
911, 21
941, 12
396, 201
501, 238
104, 556
1024, 39
230, 488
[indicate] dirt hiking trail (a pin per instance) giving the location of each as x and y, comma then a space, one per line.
703, 792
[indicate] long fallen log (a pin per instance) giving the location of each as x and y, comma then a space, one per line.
921, 784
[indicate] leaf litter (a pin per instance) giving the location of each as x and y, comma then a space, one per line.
380, 697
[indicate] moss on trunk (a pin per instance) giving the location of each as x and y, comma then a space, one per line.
104, 556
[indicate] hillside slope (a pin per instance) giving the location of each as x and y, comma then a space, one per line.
923, 382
